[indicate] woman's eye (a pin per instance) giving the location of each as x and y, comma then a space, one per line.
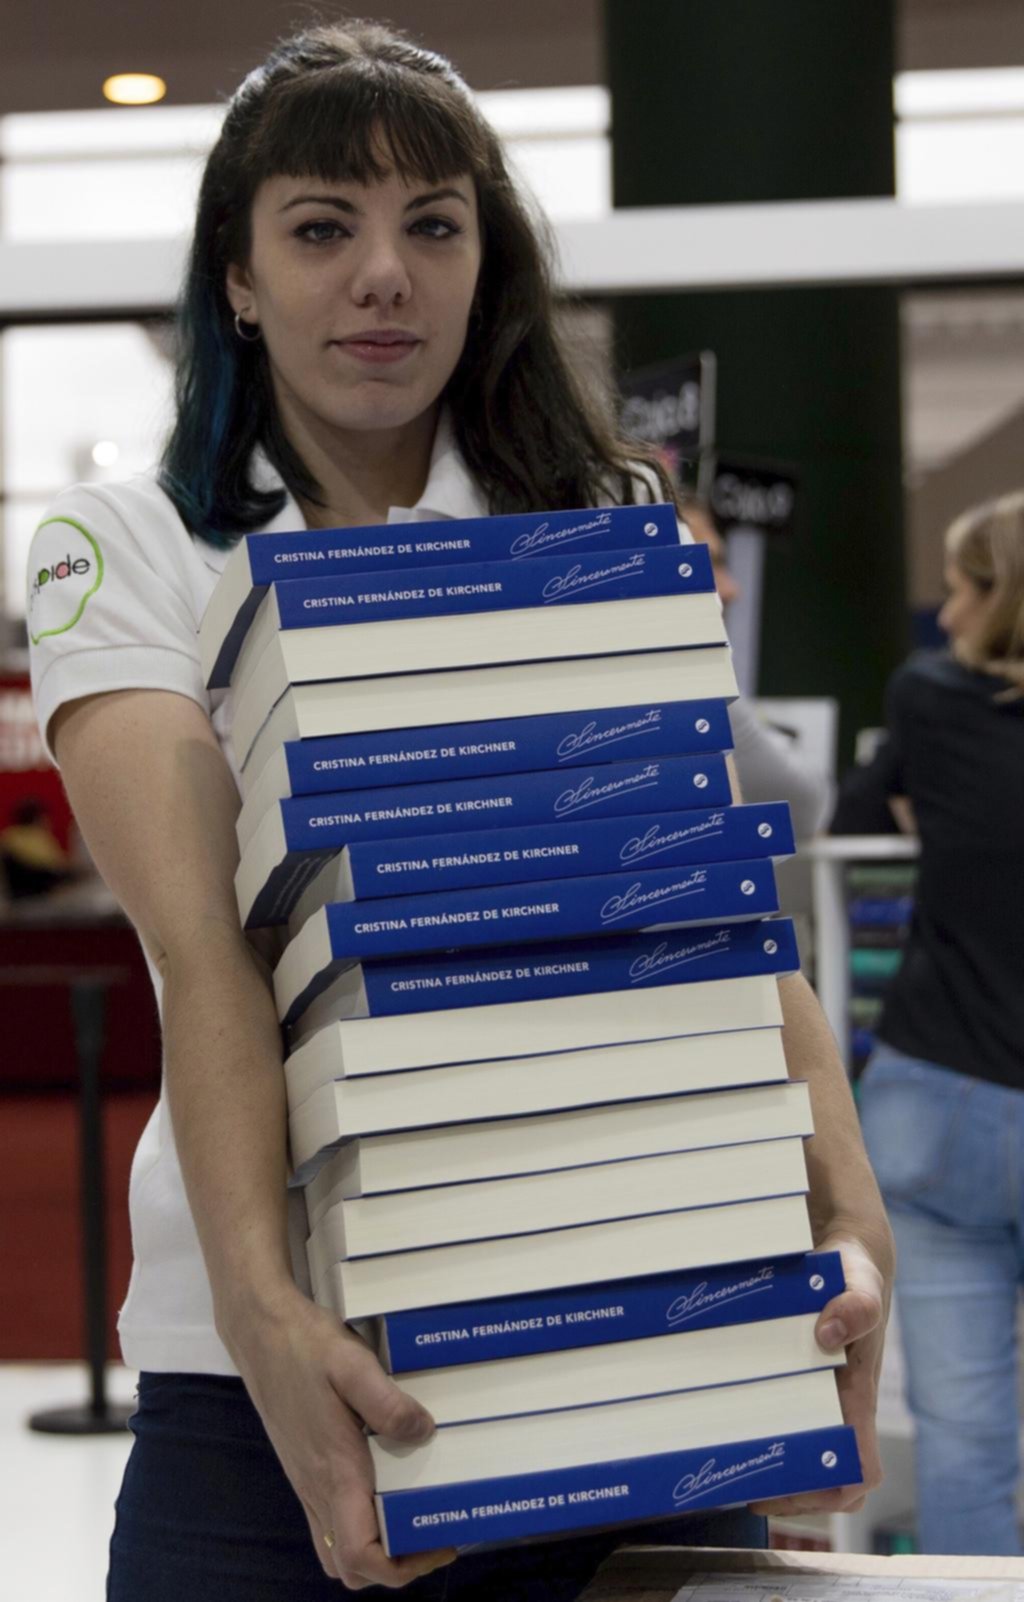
435, 228
321, 231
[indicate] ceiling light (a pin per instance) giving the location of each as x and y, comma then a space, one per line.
134, 89
105, 453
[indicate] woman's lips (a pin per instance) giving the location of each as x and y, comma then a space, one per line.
378, 352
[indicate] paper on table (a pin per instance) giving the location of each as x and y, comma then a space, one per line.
781, 1587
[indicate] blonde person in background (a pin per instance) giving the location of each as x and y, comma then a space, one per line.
942, 1096
367, 331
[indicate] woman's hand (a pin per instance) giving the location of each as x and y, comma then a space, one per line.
855, 1319
314, 1384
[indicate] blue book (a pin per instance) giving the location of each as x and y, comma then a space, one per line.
509, 1508
561, 968
341, 935
571, 680
478, 616
888, 912
371, 868
591, 1315
535, 1474
549, 582
473, 750
260, 559
297, 836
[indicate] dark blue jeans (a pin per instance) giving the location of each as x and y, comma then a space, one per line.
206, 1514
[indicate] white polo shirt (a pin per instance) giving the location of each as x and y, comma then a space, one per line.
117, 587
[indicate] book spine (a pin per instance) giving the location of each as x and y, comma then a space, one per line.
518, 537
614, 789
512, 1506
549, 909
284, 885
564, 850
548, 582
507, 745
580, 967
592, 1315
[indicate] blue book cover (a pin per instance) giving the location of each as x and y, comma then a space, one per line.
510, 1507
568, 849
317, 827
318, 553
591, 1315
612, 789
340, 935
574, 968
577, 578
506, 745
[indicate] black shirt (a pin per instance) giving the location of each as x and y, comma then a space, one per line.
958, 753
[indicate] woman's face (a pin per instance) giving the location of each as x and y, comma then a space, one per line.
362, 295
966, 605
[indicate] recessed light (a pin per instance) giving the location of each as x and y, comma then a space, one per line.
105, 453
134, 89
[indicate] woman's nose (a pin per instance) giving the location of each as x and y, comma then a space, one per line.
380, 275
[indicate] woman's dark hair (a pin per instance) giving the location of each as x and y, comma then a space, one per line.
350, 102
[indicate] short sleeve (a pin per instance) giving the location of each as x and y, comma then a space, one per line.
109, 603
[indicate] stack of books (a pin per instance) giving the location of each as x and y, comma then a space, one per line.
552, 1160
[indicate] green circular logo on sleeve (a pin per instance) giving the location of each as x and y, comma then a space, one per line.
65, 569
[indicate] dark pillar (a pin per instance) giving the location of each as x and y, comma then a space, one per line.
735, 101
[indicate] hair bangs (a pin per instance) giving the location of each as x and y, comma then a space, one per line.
358, 122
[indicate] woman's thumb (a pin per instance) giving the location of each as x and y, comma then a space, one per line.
382, 1406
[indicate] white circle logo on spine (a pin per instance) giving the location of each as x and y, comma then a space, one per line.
66, 568
817, 1282
702, 725
829, 1459
650, 529
765, 831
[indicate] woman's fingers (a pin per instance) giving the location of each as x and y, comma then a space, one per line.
844, 1499
858, 1309
358, 1556
377, 1400
854, 1319
319, 1531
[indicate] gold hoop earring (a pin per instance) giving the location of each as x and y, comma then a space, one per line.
247, 339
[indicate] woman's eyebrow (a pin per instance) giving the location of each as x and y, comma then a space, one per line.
435, 195
339, 204
319, 200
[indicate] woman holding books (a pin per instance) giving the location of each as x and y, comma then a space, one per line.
367, 335
943, 1093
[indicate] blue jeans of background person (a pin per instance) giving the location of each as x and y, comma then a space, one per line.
206, 1514
948, 1151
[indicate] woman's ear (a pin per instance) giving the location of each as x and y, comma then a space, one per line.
240, 292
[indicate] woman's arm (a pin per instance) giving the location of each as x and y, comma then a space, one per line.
846, 1215
771, 770
156, 803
